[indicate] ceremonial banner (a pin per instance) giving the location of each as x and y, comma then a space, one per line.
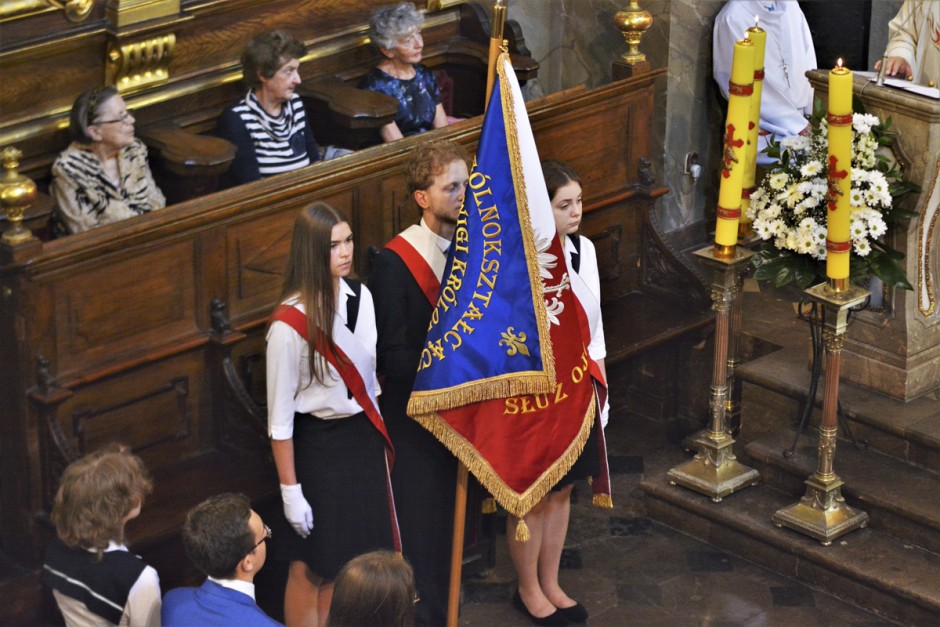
505, 380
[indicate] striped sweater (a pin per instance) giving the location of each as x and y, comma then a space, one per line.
267, 145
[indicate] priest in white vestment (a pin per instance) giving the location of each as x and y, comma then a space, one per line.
914, 42
787, 95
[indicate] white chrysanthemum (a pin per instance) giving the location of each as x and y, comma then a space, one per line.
796, 142
856, 197
820, 252
877, 227
772, 211
779, 180
862, 247
819, 233
807, 224
778, 227
762, 228
805, 243
757, 195
793, 196
858, 229
811, 169
811, 201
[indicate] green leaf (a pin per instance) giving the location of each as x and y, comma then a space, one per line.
889, 271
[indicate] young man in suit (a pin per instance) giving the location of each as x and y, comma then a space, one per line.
405, 280
226, 540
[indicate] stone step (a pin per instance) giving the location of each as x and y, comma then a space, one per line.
868, 567
898, 497
775, 385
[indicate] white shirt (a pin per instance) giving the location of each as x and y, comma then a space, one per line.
589, 274
245, 587
142, 608
288, 370
787, 96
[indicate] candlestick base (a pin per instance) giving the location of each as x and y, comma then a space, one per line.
822, 512
714, 471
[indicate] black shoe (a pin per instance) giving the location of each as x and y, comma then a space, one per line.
577, 613
555, 618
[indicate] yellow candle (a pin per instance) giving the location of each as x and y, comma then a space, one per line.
838, 240
735, 135
759, 36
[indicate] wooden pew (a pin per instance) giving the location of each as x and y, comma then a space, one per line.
176, 116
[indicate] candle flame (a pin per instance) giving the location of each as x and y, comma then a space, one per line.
839, 62
756, 21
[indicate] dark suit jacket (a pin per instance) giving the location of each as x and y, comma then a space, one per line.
212, 605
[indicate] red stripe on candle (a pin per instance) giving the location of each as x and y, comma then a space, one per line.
759, 74
729, 214
839, 120
838, 247
746, 193
736, 89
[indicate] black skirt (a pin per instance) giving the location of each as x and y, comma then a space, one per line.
340, 465
587, 465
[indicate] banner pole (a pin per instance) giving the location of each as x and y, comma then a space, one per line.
496, 41
456, 550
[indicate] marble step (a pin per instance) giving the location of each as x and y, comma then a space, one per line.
775, 385
899, 497
868, 567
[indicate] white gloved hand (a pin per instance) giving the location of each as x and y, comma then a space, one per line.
297, 510
605, 412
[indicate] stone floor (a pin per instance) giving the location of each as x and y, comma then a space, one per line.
629, 570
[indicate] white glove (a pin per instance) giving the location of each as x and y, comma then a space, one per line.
605, 412
297, 510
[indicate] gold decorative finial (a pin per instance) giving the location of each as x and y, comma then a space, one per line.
17, 193
75, 10
633, 22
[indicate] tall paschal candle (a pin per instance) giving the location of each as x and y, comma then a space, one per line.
838, 240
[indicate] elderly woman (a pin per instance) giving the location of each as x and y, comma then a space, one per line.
103, 176
396, 31
269, 125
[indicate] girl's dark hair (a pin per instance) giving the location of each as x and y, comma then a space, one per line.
375, 589
558, 174
86, 110
308, 276
266, 53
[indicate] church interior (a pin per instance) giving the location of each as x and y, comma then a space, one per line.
151, 331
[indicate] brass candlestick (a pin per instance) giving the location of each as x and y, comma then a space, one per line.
715, 471
822, 512
17, 193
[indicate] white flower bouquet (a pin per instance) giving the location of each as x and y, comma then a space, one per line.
789, 207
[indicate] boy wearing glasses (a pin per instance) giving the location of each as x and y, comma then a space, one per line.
226, 540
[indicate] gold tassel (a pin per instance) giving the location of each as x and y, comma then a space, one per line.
603, 500
522, 531
489, 505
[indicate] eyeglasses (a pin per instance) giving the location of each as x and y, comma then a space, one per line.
412, 41
122, 119
264, 538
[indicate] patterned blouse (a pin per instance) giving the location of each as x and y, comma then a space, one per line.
86, 198
267, 145
417, 97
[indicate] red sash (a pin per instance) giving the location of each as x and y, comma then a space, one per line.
297, 320
418, 266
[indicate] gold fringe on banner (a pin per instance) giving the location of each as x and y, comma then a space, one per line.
522, 531
603, 500
515, 503
503, 386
